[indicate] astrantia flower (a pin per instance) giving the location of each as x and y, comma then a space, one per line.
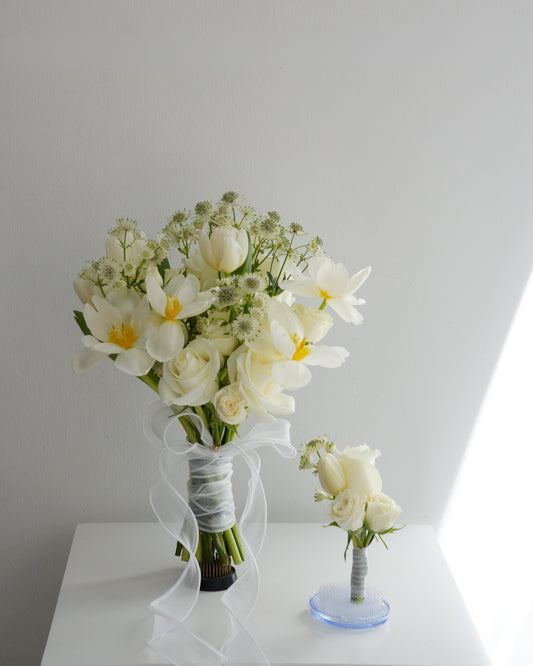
251, 283
266, 227
108, 270
330, 282
119, 325
245, 327
289, 350
179, 299
227, 294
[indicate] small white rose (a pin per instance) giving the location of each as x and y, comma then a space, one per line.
316, 323
347, 510
361, 476
230, 404
190, 377
226, 249
381, 512
330, 474
362, 452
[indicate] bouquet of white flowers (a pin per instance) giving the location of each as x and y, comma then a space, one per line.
219, 335
352, 483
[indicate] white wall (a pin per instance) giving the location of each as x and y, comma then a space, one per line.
400, 132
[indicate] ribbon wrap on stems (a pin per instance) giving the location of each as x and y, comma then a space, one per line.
171, 637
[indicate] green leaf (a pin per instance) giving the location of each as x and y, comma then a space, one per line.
162, 267
80, 320
347, 544
333, 524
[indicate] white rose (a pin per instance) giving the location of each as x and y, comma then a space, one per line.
316, 323
190, 377
263, 394
381, 512
330, 474
362, 452
361, 476
226, 249
347, 510
230, 404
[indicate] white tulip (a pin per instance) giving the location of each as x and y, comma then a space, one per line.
180, 299
381, 512
347, 510
332, 283
226, 249
330, 474
190, 377
230, 404
120, 324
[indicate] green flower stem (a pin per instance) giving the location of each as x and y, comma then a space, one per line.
232, 547
237, 537
323, 304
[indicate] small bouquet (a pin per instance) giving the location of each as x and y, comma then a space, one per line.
218, 334
352, 483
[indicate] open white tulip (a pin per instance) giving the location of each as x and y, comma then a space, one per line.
331, 282
290, 351
180, 299
226, 249
119, 325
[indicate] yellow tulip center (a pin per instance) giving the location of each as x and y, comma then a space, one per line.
173, 308
324, 294
301, 349
123, 337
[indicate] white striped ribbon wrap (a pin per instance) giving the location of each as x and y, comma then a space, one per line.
171, 637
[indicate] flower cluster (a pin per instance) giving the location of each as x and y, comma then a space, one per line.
352, 483
220, 332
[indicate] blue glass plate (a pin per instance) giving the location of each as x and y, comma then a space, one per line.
332, 605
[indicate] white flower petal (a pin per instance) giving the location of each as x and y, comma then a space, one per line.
291, 374
188, 290
140, 317
156, 296
134, 361
357, 280
345, 311
86, 358
94, 321
282, 340
111, 315
327, 357
166, 342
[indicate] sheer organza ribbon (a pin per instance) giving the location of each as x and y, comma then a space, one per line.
171, 637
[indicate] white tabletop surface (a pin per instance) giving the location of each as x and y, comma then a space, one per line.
115, 569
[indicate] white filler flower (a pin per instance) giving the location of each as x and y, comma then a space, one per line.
330, 282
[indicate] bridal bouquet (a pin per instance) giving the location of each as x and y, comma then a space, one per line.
218, 334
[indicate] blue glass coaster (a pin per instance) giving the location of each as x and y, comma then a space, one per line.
332, 605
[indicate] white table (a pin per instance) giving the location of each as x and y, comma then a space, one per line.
116, 569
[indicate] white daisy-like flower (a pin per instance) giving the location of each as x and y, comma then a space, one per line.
179, 299
330, 282
119, 324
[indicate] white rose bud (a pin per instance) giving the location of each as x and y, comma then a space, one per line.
348, 510
225, 250
230, 404
330, 474
361, 476
316, 323
381, 512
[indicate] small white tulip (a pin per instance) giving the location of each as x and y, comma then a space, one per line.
225, 250
330, 474
361, 477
